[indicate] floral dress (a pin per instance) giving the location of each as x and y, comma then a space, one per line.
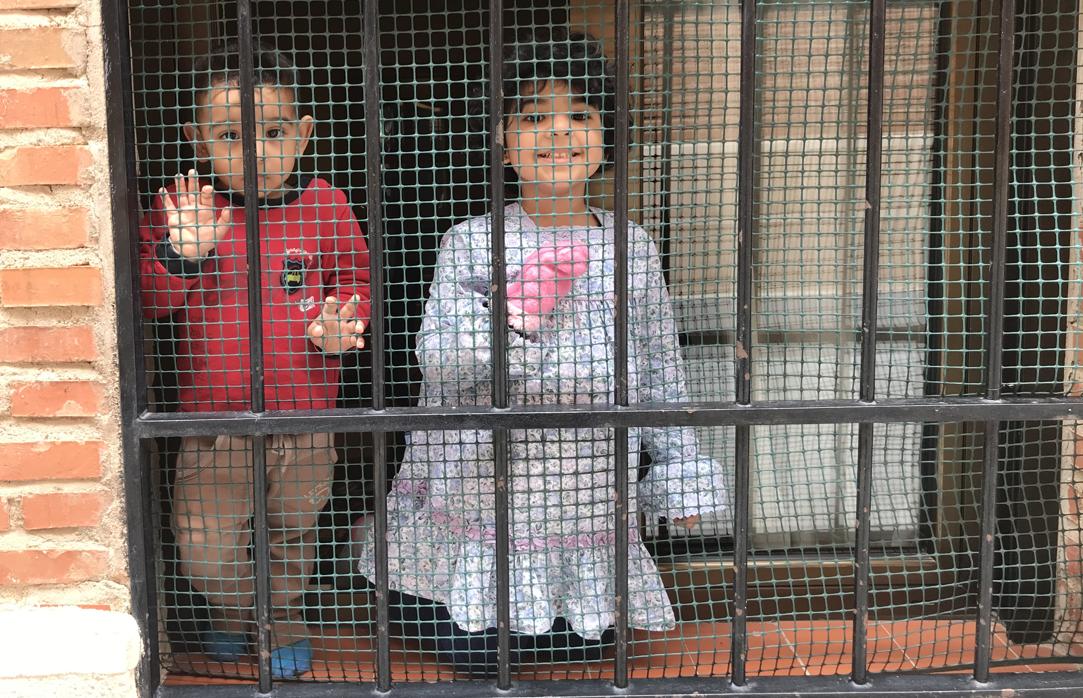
441, 509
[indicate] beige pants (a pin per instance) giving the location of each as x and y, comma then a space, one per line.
212, 521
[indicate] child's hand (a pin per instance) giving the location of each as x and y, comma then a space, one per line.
546, 277
336, 330
688, 522
195, 228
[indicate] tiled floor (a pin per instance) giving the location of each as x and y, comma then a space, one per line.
793, 648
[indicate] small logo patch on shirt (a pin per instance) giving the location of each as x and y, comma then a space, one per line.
293, 271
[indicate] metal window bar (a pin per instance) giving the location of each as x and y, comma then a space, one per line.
691, 414
499, 308
665, 232
869, 302
746, 235
253, 258
994, 340
375, 237
622, 24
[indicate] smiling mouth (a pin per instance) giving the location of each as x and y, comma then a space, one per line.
558, 155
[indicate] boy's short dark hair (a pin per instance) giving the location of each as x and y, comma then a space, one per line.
542, 54
222, 66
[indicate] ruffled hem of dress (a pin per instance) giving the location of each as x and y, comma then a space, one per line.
575, 584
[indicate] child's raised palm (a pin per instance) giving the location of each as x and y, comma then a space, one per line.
195, 227
337, 329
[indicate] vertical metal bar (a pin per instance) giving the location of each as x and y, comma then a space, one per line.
262, 554
260, 537
665, 237
746, 182
869, 300
124, 208
746, 172
251, 204
994, 347
622, 20
374, 224
499, 310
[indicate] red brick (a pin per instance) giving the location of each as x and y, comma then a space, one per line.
1073, 561
32, 229
20, 345
28, 567
50, 460
42, 107
62, 510
41, 165
34, 48
5, 519
50, 287
56, 399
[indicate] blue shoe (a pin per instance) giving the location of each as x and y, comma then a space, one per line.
224, 647
291, 660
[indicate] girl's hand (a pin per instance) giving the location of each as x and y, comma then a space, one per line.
337, 330
195, 228
687, 522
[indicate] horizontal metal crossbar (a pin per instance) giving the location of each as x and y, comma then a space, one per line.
700, 414
1054, 684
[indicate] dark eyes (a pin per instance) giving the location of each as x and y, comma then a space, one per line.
272, 133
540, 117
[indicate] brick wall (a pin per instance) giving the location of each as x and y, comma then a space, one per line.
62, 533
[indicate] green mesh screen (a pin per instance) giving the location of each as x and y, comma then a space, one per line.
810, 135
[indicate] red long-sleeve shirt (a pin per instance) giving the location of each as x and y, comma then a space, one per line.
311, 247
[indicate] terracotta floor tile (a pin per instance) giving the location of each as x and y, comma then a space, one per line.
785, 647
930, 643
771, 654
1031, 651
640, 671
884, 656
703, 647
1053, 666
560, 672
824, 647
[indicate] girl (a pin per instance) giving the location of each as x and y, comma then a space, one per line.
558, 133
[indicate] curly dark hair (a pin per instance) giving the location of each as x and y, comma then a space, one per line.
222, 66
542, 54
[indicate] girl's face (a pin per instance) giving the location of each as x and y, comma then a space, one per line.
555, 143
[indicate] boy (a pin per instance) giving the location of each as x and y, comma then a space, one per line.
315, 306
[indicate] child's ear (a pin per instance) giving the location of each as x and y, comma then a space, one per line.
192, 134
304, 131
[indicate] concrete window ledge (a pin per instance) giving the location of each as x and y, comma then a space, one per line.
67, 652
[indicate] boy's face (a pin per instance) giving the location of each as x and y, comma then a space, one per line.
556, 142
280, 136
